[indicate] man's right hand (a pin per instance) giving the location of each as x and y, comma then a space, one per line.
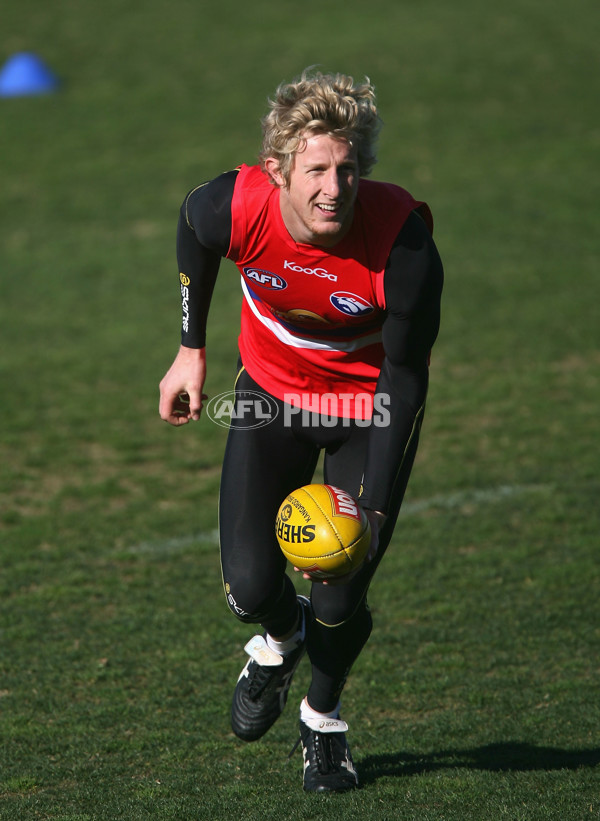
181, 387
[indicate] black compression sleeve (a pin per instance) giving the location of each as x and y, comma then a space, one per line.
413, 286
203, 234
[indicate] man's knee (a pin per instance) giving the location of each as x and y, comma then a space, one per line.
334, 613
250, 606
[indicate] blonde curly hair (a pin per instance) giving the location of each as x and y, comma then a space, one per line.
319, 103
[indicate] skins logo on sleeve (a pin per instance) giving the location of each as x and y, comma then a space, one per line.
185, 302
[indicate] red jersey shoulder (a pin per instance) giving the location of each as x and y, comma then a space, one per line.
252, 176
249, 208
384, 208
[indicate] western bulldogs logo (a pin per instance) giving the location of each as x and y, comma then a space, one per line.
350, 304
268, 280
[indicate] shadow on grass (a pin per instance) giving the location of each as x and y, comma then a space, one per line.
503, 757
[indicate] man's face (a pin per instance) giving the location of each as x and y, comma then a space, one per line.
317, 205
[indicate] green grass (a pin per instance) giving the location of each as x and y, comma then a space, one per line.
477, 696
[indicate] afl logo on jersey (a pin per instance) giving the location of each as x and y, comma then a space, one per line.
350, 304
266, 279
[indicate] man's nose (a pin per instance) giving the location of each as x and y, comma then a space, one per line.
332, 185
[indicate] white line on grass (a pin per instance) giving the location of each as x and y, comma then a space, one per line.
450, 501
175, 545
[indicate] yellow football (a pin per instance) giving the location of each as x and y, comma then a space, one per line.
323, 531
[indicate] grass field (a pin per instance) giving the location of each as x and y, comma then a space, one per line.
477, 697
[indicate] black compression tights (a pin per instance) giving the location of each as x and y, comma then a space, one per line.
261, 466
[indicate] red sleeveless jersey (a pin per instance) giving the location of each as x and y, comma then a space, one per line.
311, 317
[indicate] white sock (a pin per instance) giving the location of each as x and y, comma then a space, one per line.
306, 712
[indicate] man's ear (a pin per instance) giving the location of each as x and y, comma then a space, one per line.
272, 169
